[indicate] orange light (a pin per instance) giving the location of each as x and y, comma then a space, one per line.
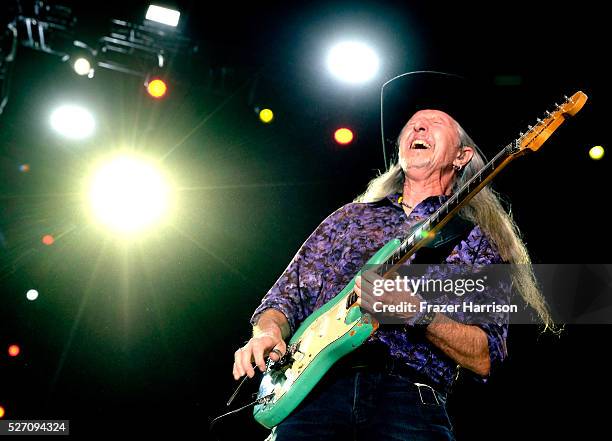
343, 136
14, 350
157, 88
2, 412
48, 239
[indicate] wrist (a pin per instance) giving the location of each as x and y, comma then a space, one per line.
426, 319
272, 323
423, 317
271, 330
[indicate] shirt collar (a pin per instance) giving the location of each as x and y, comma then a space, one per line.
423, 209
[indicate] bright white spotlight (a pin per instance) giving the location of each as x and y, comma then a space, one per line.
32, 294
82, 66
128, 194
352, 62
73, 122
162, 15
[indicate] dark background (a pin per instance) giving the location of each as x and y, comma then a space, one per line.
140, 338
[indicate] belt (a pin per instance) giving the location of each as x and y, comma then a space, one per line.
375, 357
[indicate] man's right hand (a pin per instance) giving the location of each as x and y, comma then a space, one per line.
257, 348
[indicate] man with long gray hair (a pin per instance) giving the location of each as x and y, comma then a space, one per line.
395, 385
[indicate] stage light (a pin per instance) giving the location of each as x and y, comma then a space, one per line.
266, 116
343, 136
14, 350
352, 62
32, 294
82, 66
72, 121
2, 412
162, 15
596, 152
48, 239
157, 88
128, 194
82, 57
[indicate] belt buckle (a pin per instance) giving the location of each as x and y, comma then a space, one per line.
433, 392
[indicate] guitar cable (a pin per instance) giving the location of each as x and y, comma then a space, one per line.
253, 403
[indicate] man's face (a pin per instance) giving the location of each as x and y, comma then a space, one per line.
428, 142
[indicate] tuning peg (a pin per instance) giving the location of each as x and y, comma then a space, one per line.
557, 105
566, 97
548, 113
539, 120
529, 127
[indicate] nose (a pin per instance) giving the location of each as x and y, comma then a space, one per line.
420, 126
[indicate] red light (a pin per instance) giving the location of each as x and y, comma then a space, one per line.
343, 136
48, 239
157, 88
14, 350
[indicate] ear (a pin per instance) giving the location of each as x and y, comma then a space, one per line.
464, 155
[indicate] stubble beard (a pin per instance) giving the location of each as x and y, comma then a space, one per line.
414, 163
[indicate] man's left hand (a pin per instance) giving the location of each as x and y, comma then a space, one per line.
386, 298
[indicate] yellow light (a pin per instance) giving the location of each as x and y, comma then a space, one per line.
266, 116
2, 412
596, 152
343, 136
157, 88
128, 194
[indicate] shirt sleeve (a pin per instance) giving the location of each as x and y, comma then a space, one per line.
478, 250
296, 290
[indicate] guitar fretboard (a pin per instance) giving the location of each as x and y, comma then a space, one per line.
442, 215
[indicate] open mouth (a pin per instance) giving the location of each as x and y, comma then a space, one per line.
419, 144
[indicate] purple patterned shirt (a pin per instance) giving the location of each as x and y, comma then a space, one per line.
342, 244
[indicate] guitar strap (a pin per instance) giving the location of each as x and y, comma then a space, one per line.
436, 251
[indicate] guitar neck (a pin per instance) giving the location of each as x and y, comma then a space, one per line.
532, 140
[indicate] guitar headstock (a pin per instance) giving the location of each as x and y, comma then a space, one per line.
538, 134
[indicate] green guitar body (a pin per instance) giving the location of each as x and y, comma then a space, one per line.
343, 334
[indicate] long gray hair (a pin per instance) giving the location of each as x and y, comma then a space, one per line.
485, 210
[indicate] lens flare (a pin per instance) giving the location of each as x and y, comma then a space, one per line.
128, 194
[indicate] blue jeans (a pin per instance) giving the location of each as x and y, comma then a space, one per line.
365, 405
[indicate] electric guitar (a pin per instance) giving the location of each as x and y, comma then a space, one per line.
338, 327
